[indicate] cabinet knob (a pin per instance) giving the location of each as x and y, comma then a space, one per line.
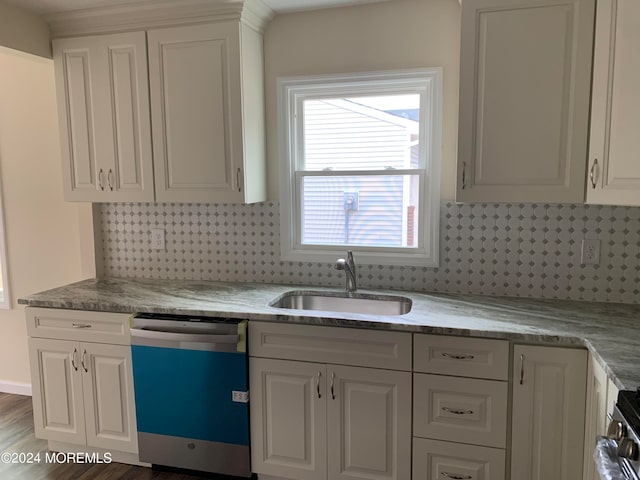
109, 175
238, 180
100, 180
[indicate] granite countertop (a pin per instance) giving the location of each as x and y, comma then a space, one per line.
610, 331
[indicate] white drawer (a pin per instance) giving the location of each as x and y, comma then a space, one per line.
87, 326
437, 460
460, 409
345, 346
461, 356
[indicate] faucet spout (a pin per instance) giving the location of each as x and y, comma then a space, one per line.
349, 267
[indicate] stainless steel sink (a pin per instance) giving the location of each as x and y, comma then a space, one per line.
344, 302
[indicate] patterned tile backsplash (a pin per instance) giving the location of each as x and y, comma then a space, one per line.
521, 250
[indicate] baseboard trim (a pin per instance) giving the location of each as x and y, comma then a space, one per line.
16, 388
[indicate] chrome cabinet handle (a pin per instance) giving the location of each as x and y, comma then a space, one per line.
592, 174
82, 361
238, 180
333, 377
456, 476
109, 175
73, 359
522, 369
81, 325
464, 175
101, 180
457, 411
457, 357
318, 385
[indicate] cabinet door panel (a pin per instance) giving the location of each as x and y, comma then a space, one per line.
79, 168
195, 84
596, 414
549, 390
109, 397
57, 390
369, 417
437, 460
131, 177
615, 118
524, 100
288, 419
104, 120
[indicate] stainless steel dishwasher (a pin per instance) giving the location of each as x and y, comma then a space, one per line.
191, 389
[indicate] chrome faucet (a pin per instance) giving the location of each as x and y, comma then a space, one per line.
349, 267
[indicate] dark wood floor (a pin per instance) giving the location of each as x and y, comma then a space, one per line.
16, 435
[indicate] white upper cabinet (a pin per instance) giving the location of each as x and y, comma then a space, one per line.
525, 76
103, 105
614, 163
199, 89
207, 113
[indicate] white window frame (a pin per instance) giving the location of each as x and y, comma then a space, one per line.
292, 91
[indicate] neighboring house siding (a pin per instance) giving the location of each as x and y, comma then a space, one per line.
347, 136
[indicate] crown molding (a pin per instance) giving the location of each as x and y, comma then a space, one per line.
146, 14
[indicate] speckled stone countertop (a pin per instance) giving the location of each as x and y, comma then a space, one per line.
611, 331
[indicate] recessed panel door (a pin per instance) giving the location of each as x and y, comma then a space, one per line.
369, 423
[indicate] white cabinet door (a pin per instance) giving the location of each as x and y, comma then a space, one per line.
194, 74
108, 397
525, 71
549, 390
369, 418
103, 105
437, 460
596, 415
614, 167
288, 419
56, 380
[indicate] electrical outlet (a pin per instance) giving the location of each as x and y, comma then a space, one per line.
157, 239
590, 251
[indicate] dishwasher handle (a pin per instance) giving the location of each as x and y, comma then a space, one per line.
180, 340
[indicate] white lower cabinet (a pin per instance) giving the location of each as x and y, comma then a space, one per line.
82, 381
83, 394
312, 421
438, 460
549, 391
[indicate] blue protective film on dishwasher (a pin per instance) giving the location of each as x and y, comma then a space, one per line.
188, 393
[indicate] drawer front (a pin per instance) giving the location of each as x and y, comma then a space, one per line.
81, 325
460, 409
461, 356
437, 460
343, 346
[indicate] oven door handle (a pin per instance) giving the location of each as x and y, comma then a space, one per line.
606, 459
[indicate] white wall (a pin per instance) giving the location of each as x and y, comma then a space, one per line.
383, 36
43, 233
22, 30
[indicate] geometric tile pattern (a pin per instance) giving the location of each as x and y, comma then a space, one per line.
527, 250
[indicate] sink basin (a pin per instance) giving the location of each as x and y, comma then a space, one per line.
343, 302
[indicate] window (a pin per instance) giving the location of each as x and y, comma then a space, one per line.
360, 166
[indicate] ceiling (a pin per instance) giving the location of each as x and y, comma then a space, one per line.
45, 7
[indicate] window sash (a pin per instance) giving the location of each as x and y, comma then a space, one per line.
298, 211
